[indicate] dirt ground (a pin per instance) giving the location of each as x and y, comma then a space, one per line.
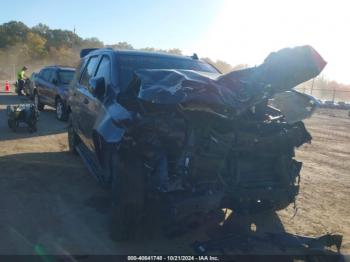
49, 201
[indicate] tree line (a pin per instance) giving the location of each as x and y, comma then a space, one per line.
40, 45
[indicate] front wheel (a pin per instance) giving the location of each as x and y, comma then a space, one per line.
60, 110
12, 124
37, 103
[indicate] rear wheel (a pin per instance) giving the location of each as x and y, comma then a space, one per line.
128, 189
73, 139
37, 103
12, 124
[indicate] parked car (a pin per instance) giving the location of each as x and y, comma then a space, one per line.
50, 87
329, 104
341, 105
172, 131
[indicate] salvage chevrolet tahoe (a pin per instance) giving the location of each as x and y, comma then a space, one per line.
172, 131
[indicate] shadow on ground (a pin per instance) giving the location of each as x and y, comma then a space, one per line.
49, 201
45, 202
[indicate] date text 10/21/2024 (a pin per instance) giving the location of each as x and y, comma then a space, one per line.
172, 258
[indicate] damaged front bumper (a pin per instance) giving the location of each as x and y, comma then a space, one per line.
223, 141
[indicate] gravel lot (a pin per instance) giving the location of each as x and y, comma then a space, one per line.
48, 200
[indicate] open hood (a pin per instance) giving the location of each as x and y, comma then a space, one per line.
236, 91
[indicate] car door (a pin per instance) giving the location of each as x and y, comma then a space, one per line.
51, 87
46, 87
83, 97
41, 85
95, 105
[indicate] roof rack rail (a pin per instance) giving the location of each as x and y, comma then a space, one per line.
69, 66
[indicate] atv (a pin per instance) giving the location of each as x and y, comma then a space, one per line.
23, 113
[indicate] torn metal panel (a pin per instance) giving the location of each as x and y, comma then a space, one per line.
295, 106
236, 91
111, 126
208, 133
208, 141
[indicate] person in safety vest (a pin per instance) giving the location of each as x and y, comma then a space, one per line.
21, 77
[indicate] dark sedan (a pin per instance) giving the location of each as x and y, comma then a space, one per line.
50, 87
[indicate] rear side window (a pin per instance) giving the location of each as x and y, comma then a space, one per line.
89, 71
45, 74
48, 75
65, 76
104, 69
52, 76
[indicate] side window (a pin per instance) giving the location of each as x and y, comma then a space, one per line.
47, 75
43, 74
89, 71
52, 75
104, 69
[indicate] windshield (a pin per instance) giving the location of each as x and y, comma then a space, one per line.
65, 76
128, 64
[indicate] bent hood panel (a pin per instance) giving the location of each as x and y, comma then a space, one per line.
294, 106
238, 90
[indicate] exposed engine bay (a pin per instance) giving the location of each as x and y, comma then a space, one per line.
222, 141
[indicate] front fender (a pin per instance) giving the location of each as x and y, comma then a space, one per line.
108, 124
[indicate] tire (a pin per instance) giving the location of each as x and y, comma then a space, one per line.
32, 93
128, 190
73, 139
37, 103
12, 124
26, 92
61, 112
32, 126
19, 93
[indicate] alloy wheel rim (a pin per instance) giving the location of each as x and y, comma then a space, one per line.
59, 110
36, 100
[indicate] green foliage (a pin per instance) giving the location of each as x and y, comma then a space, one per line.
121, 46
12, 33
174, 51
36, 45
41, 29
92, 42
40, 45
223, 66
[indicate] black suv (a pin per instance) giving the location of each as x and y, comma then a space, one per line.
50, 87
171, 133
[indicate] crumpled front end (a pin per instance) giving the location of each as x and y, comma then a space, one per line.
224, 141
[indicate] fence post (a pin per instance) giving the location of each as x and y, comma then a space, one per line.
312, 86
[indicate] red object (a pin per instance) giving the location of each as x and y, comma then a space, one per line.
7, 87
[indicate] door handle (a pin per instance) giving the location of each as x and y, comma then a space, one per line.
86, 101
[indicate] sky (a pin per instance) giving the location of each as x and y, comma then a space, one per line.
236, 31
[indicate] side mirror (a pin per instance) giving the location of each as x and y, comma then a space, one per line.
97, 86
